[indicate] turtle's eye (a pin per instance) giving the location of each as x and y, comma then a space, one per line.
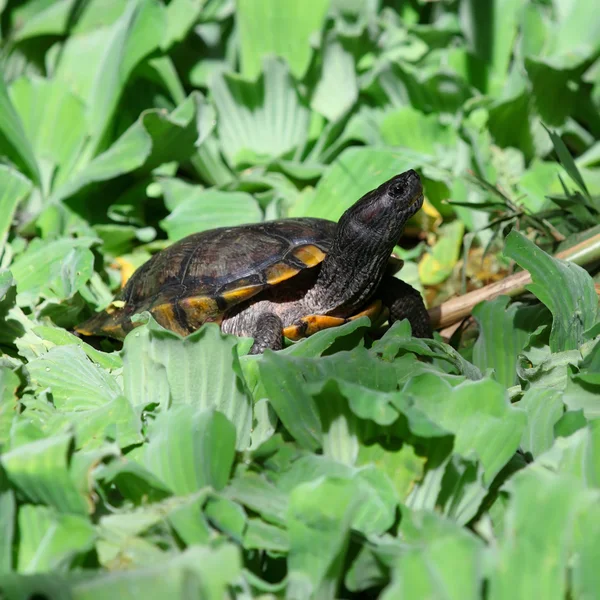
397, 189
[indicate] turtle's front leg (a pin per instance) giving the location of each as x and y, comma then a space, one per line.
267, 333
404, 302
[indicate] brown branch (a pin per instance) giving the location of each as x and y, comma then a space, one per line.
456, 309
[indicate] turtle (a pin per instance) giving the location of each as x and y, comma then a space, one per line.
289, 277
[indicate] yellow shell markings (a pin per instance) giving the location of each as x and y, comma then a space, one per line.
198, 310
238, 295
310, 255
312, 323
280, 272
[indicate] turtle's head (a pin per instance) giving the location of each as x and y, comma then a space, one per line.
378, 218
365, 237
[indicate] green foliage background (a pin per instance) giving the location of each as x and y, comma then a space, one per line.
350, 464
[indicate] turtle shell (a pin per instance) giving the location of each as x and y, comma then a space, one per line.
200, 277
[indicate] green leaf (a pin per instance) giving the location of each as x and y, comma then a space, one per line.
13, 139
8, 511
319, 518
199, 571
544, 409
503, 333
565, 288
40, 470
55, 123
439, 560
491, 37
337, 88
76, 382
259, 120
286, 29
97, 64
209, 209
409, 128
190, 448
202, 370
41, 263
354, 173
479, 415
540, 513
14, 188
50, 540
155, 138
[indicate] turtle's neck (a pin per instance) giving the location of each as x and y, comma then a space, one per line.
348, 278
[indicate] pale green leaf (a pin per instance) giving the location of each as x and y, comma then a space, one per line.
97, 64
319, 518
75, 381
40, 470
50, 540
354, 173
259, 120
565, 288
54, 121
286, 29
14, 188
201, 370
155, 138
13, 139
209, 209
190, 449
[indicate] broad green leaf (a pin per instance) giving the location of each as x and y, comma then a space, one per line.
286, 29
354, 173
403, 467
40, 264
75, 381
540, 514
54, 121
40, 470
190, 448
259, 120
491, 28
121, 536
227, 516
97, 64
586, 577
479, 415
209, 209
262, 536
13, 139
337, 88
410, 128
50, 540
8, 511
14, 188
61, 337
9, 384
181, 17
439, 560
155, 138
319, 517
544, 408
565, 288
199, 571
201, 370
115, 420
379, 502
539, 181
259, 495
503, 333
576, 35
